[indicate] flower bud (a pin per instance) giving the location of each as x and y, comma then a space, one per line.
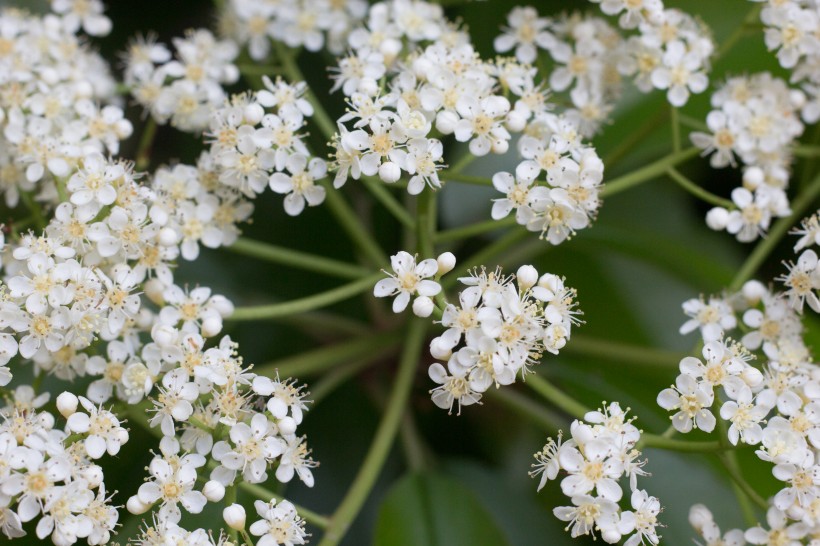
423, 307
211, 326
439, 349
527, 276
93, 474
234, 516
67, 404
154, 288
287, 426
136, 506
213, 491
753, 291
167, 237
389, 172
717, 218
446, 262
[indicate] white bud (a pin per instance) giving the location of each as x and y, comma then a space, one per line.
164, 335
389, 172
67, 404
369, 87
287, 426
136, 506
93, 474
717, 218
234, 516
439, 349
253, 113
527, 276
46, 420
516, 121
211, 326
446, 262
167, 237
154, 288
500, 146
423, 306
754, 291
213, 491
753, 177
611, 535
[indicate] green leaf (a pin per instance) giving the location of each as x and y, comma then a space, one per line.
434, 510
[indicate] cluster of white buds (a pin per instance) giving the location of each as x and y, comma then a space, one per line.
756, 119
252, 148
600, 453
181, 88
501, 327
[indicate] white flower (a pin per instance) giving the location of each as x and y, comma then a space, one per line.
104, 433
680, 73
301, 185
802, 281
526, 33
408, 279
172, 484
280, 524
693, 401
588, 514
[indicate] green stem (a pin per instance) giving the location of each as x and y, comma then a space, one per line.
338, 375
34, 209
634, 138
806, 151
383, 195
658, 441
622, 352
699, 192
316, 301
426, 224
644, 174
246, 537
451, 176
479, 228
734, 472
382, 442
250, 69
526, 407
675, 123
200, 424
738, 33
351, 224
296, 258
556, 396
143, 156
693, 123
767, 244
325, 358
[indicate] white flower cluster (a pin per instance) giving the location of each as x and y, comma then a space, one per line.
279, 525
670, 51
252, 148
181, 88
406, 83
802, 280
756, 119
58, 101
569, 200
776, 407
312, 24
50, 473
600, 453
499, 329
791, 28
780, 531
211, 388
